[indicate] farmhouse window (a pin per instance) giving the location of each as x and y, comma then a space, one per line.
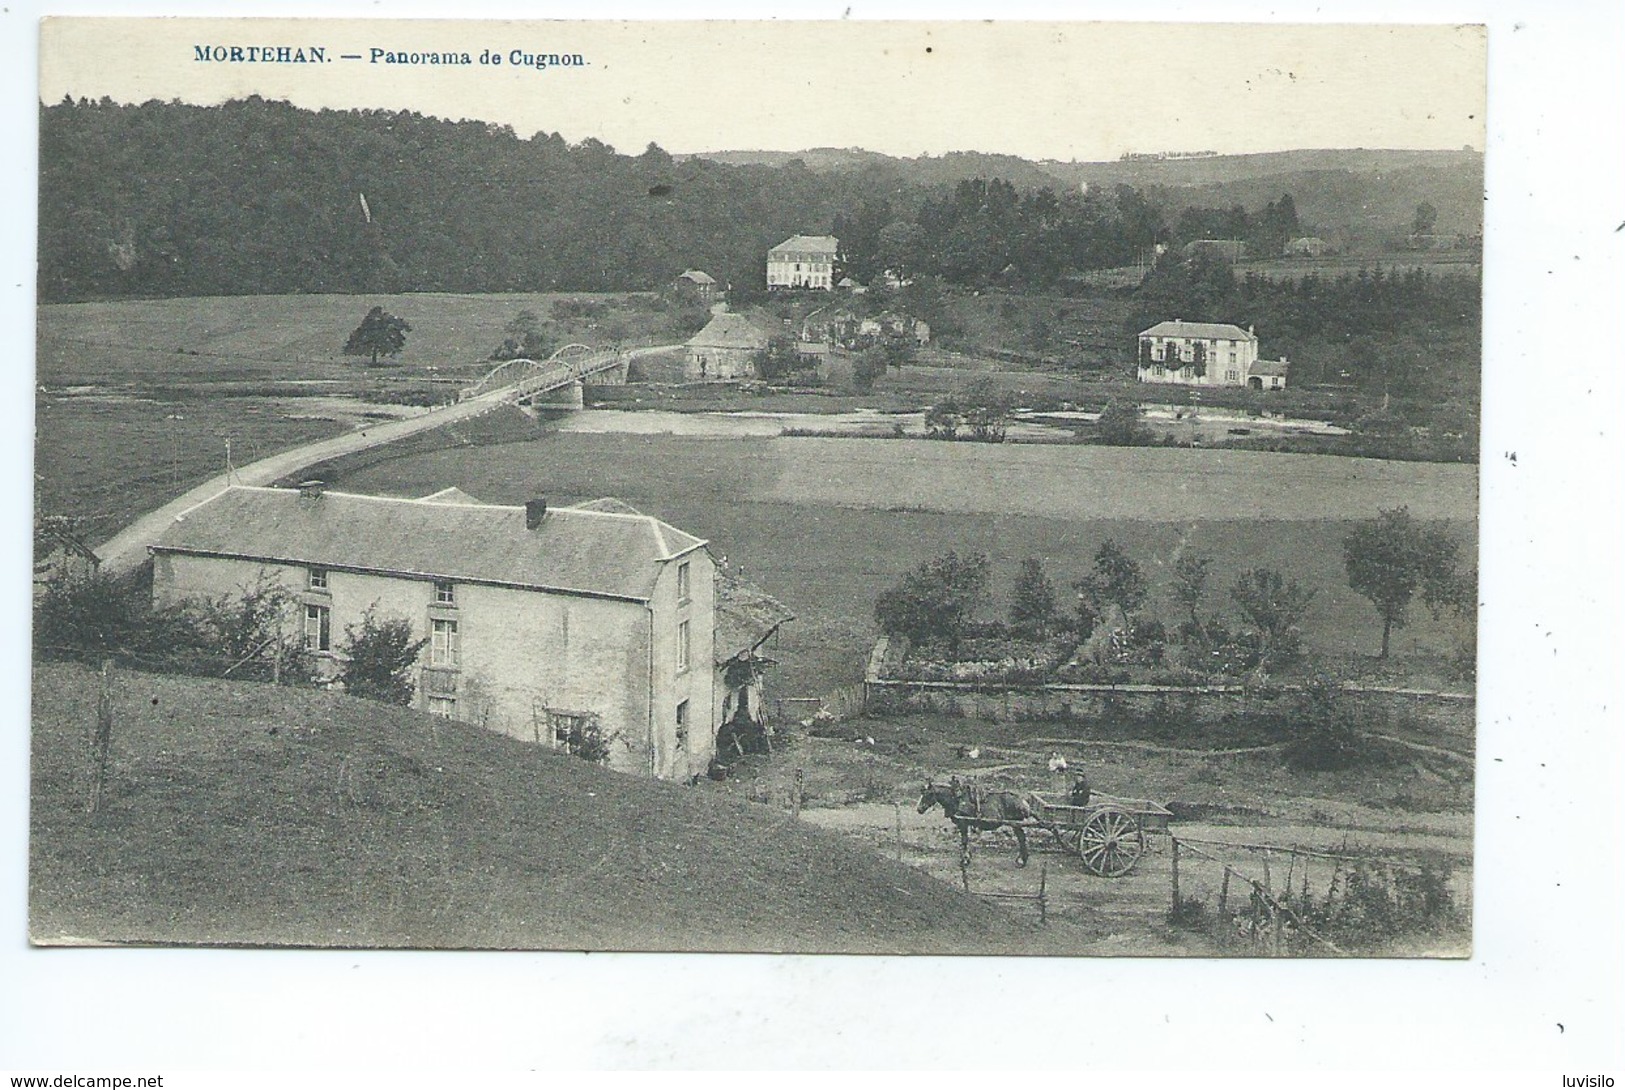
318, 578
682, 723
1233, 376
682, 646
318, 628
682, 581
443, 706
445, 593
443, 644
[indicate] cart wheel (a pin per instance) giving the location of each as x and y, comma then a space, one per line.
1111, 842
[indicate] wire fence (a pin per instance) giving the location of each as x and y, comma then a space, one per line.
1276, 899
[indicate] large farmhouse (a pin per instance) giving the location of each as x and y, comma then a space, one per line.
1206, 354
725, 349
803, 261
552, 624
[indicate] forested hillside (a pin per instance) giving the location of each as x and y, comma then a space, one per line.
260, 197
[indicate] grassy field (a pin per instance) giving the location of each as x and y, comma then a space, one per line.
137, 400
825, 525
1085, 332
249, 814
268, 337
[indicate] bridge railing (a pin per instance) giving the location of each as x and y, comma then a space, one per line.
573, 361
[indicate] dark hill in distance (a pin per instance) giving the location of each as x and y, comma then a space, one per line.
1364, 188
247, 814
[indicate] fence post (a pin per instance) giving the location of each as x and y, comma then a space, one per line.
1224, 890
101, 738
1175, 872
1043, 901
795, 795
897, 828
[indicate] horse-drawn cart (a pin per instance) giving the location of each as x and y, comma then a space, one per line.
1107, 833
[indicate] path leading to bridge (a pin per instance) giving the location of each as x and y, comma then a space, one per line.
127, 550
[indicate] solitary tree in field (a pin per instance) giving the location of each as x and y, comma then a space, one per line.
1273, 605
1393, 557
1426, 216
379, 657
379, 334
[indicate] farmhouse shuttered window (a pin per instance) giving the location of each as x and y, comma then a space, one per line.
318, 579
682, 646
318, 628
682, 581
443, 644
445, 593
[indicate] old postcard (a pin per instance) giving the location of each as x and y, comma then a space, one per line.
769, 487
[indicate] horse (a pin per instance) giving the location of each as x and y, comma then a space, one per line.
971, 807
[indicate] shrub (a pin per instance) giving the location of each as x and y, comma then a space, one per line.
1190, 914
1368, 906
936, 600
583, 736
379, 657
246, 635
1325, 737
1119, 426
1032, 606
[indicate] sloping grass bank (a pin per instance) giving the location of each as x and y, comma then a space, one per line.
248, 814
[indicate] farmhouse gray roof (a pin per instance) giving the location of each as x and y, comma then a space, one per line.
1269, 367
815, 244
696, 276
728, 330
596, 553
451, 495
745, 617
1211, 331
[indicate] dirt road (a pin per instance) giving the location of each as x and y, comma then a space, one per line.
127, 549
1129, 914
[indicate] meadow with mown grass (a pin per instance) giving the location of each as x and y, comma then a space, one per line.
826, 524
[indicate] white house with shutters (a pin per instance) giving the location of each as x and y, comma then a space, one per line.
1206, 354
803, 261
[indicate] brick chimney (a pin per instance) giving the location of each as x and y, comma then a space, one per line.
535, 511
312, 489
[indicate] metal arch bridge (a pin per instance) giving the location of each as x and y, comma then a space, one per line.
526, 378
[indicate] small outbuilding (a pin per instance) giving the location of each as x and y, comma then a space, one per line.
725, 349
697, 284
746, 620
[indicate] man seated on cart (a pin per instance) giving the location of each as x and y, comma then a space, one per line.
1078, 795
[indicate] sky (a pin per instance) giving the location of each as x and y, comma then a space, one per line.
1086, 91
